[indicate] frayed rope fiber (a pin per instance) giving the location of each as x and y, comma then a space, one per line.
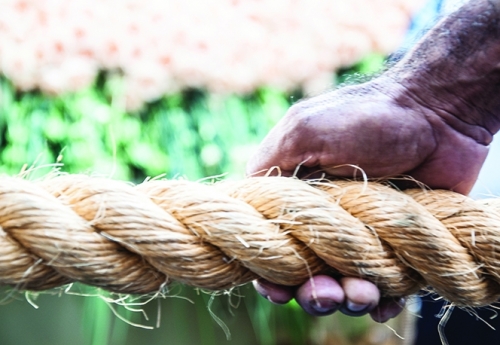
135, 239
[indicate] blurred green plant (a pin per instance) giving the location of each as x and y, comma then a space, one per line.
362, 71
190, 134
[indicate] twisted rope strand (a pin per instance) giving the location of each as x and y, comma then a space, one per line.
136, 239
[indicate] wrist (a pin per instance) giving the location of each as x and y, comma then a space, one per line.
417, 97
455, 70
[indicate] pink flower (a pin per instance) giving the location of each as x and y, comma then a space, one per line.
161, 46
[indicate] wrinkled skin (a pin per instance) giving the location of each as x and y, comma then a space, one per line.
431, 117
376, 127
369, 128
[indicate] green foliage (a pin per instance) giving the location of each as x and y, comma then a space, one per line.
190, 134
362, 71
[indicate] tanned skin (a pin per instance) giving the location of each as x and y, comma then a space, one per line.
431, 116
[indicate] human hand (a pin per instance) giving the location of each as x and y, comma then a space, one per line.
379, 127
386, 130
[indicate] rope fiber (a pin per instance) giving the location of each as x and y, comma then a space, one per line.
136, 238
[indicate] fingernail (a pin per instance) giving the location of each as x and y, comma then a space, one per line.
272, 292
323, 306
355, 309
271, 300
387, 308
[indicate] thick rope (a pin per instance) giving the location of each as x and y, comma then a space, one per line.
136, 239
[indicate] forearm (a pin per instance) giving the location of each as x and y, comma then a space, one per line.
456, 67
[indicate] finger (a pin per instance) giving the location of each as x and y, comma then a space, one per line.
387, 309
286, 146
271, 157
361, 296
274, 293
320, 295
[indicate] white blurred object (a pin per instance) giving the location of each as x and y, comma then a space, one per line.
488, 183
223, 45
452, 5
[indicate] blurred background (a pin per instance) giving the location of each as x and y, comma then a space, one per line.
132, 89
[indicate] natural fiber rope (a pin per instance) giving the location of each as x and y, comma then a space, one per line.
135, 239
